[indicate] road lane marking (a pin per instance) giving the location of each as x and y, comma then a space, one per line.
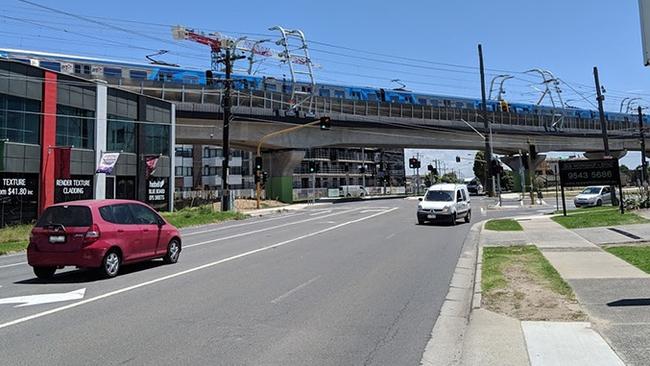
373, 210
238, 225
13, 264
234, 236
320, 212
30, 300
297, 288
187, 271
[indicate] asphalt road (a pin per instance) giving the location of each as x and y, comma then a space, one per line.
346, 284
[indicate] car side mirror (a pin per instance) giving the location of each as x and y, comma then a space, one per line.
419, 198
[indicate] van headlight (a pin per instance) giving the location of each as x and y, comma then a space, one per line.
446, 208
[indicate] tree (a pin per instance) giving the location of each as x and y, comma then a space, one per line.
479, 167
449, 178
507, 180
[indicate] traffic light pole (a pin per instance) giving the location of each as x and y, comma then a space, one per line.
258, 185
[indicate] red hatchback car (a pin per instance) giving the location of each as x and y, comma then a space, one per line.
101, 234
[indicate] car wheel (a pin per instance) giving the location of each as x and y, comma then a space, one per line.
111, 264
173, 252
453, 219
420, 221
468, 217
44, 273
599, 203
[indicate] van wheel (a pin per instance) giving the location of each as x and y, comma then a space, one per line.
111, 264
453, 219
173, 252
468, 217
44, 273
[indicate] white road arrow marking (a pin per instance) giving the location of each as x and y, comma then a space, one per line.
44, 299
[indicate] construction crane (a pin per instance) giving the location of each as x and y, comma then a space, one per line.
212, 40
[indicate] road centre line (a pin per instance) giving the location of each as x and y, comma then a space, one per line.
238, 225
264, 229
187, 271
288, 293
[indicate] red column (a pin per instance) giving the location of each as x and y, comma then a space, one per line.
48, 140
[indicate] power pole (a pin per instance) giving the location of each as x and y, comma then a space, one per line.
642, 135
225, 196
603, 126
486, 125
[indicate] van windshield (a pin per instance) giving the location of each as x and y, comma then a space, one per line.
68, 216
439, 196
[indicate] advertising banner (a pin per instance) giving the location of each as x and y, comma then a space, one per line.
107, 163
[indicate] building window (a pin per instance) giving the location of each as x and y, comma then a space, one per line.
120, 134
19, 119
184, 151
75, 127
81, 69
178, 171
156, 139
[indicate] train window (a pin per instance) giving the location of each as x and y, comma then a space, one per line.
324, 92
190, 79
54, 66
270, 87
112, 72
395, 99
81, 69
137, 74
460, 105
447, 103
339, 94
373, 96
422, 101
355, 95
165, 76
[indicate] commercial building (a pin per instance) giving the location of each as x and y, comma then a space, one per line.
199, 167
54, 130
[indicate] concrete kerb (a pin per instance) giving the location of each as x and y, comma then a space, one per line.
445, 346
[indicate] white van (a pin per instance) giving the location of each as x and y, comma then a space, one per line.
352, 191
448, 202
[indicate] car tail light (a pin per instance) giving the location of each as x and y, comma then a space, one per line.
92, 234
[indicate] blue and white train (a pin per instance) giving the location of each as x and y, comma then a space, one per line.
115, 69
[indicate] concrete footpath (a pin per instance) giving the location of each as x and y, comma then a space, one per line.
615, 295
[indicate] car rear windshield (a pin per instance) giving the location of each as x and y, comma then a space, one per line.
68, 216
439, 196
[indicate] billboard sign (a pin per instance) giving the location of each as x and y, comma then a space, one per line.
597, 172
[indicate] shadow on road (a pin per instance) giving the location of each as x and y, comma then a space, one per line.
90, 275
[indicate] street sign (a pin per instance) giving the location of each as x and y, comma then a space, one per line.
596, 172
580, 173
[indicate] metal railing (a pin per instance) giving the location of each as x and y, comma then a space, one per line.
193, 98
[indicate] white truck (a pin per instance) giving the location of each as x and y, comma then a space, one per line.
352, 191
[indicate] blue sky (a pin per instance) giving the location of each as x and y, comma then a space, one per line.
430, 45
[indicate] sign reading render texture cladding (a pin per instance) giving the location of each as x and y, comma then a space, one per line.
579, 173
75, 188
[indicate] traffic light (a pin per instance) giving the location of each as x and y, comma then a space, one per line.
430, 167
412, 163
312, 167
258, 164
362, 168
325, 123
209, 78
435, 172
418, 164
458, 159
